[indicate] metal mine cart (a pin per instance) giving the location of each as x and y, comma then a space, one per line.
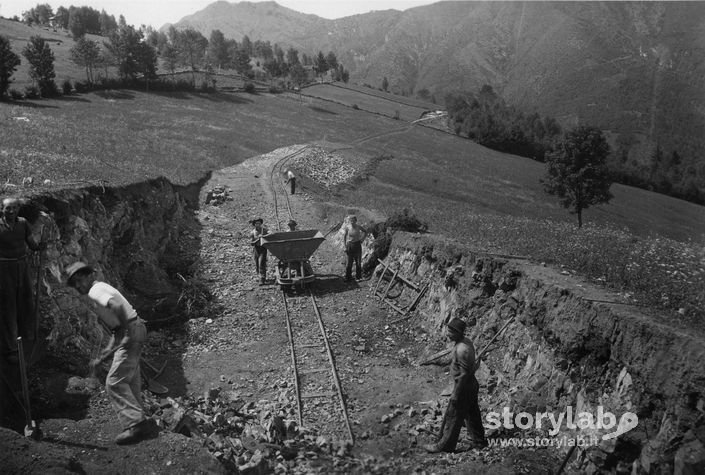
293, 249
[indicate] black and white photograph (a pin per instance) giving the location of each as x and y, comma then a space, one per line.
352, 237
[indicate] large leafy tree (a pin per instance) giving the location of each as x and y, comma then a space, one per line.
577, 170
41, 65
218, 49
86, 53
191, 45
8, 64
320, 64
131, 55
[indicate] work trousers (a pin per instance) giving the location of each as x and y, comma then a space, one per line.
354, 252
17, 316
464, 410
124, 382
292, 182
260, 255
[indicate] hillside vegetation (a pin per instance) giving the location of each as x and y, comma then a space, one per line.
644, 244
629, 68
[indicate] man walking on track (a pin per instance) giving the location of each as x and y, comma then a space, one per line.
259, 252
353, 235
463, 407
291, 180
123, 384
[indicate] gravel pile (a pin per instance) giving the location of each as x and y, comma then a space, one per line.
327, 169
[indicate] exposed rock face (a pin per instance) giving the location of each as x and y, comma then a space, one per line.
126, 234
562, 349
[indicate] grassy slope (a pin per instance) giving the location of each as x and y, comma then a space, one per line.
59, 42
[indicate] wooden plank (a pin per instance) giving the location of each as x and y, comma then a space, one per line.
317, 395
400, 277
310, 345
314, 370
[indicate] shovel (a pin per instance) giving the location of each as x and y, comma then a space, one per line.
31, 429
152, 385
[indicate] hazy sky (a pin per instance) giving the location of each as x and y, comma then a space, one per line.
159, 12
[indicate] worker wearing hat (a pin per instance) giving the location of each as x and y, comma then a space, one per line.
292, 225
259, 252
123, 384
463, 407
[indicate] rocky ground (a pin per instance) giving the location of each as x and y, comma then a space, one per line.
231, 405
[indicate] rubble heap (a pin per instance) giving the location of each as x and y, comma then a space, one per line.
326, 168
218, 195
249, 437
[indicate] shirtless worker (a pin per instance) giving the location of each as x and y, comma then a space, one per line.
259, 252
463, 407
290, 180
123, 384
353, 235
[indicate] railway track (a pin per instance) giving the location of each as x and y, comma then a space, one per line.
319, 394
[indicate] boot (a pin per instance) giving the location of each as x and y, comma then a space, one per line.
431, 448
136, 433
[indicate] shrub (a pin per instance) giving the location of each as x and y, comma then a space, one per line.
355, 106
16, 95
66, 87
249, 87
81, 86
31, 92
406, 221
204, 86
274, 90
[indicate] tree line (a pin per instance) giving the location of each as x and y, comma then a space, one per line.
486, 118
136, 54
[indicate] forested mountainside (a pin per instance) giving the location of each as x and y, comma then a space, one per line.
634, 69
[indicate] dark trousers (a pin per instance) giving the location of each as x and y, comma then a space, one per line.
260, 255
463, 411
16, 305
292, 181
354, 252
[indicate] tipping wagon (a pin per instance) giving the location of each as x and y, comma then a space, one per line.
293, 249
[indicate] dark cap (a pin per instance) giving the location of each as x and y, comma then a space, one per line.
457, 325
75, 268
257, 220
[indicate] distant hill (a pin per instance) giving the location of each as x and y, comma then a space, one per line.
634, 69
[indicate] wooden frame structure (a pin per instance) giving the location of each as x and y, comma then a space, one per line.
407, 284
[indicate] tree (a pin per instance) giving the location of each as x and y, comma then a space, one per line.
577, 170
41, 65
242, 61
218, 49
192, 46
292, 56
8, 64
170, 56
298, 74
131, 55
107, 23
86, 53
331, 61
62, 17
77, 26
320, 64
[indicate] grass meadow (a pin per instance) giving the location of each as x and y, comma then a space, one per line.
642, 244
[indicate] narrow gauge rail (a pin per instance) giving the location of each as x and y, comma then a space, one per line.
319, 394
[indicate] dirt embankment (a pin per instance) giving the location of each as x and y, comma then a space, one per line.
566, 344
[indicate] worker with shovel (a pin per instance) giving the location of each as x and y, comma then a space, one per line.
123, 384
17, 304
16, 299
463, 407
